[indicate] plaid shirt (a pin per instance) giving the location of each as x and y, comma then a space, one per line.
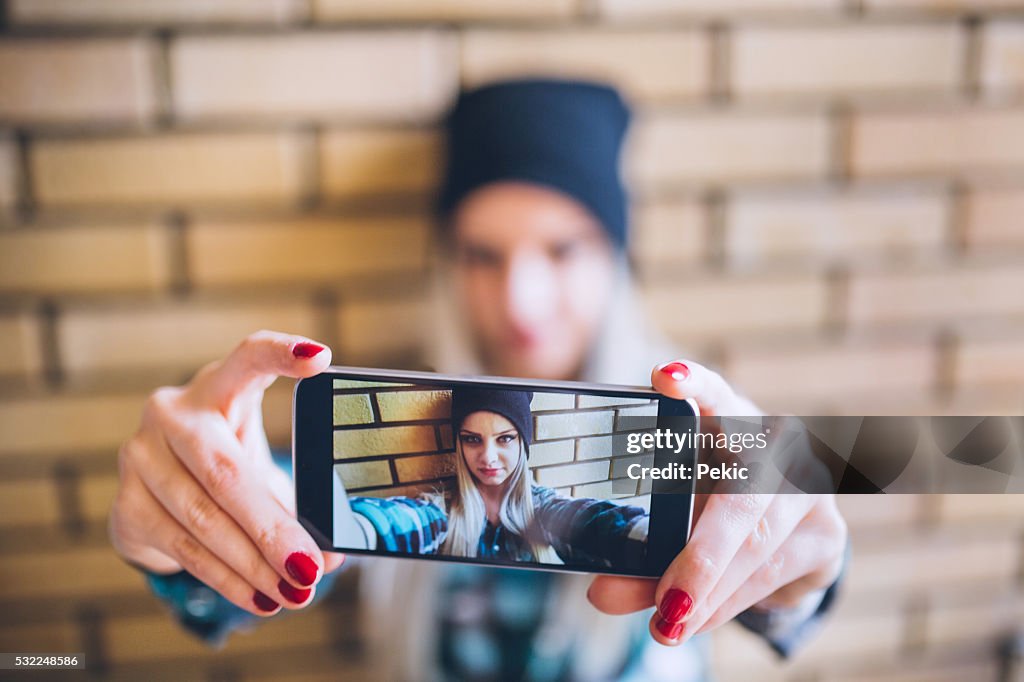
584, 532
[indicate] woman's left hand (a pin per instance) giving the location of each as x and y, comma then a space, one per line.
746, 550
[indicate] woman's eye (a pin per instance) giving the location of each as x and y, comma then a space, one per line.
564, 250
505, 439
468, 439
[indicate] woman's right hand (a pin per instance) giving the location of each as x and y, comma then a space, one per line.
199, 491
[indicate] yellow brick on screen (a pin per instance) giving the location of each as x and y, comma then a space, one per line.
84, 259
646, 64
552, 401
413, 405
553, 452
425, 467
364, 474
78, 81
578, 424
170, 168
572, 474
387, 440
352, 409
382, 75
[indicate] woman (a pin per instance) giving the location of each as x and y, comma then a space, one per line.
495, 510
534, 284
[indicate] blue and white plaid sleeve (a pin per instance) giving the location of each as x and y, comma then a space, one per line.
404, 524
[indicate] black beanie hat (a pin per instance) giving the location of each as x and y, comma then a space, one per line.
566, 135
511, 404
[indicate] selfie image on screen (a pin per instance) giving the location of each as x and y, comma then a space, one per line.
491, 474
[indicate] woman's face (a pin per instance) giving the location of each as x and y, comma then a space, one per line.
534, 269
490, 447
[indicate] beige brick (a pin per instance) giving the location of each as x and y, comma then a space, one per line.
990, 361
20, 343
30, 502
645, 64
84, 12
601, 490
425, 467
646, 410
708, 309
669, 151
364, 474
68, 80
388, 440
1002, 62
855, 368
653, 9
549, 426
169, 168
620, 465
303, 250
453, 10
367, 162
398, 75
555, 452
940, 6
765, 227
8, 173
374, 331
964, 142
411, 405
96, 571
572, 474
171, 334
96, 494
994, 219
84, 259
552, 401
352, 409
933, 563
1003, 509
846, 59
669, 233
948, 295
67, 423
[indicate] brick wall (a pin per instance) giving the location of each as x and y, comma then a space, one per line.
825, 188
397, 440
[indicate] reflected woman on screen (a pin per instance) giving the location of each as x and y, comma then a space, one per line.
495, 510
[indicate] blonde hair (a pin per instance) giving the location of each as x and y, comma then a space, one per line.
467, 515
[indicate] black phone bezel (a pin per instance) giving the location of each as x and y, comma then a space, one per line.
313, 457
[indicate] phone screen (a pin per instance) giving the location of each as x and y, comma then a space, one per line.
490, 472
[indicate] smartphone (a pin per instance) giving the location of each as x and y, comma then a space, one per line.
494, 471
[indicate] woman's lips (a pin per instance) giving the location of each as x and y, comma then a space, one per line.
490, 473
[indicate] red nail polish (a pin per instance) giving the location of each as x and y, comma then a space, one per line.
675, 605
264, 603
306, 349
677, 371
668, 630
295, 595
302, 567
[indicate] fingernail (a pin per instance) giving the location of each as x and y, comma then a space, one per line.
307, 349
302, 567
264, 603
667, 629
677, 371
295, 595
675, 605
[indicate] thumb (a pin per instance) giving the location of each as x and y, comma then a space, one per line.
254, 365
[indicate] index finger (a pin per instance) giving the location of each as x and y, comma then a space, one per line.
684, 379
725, 525
256, 362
